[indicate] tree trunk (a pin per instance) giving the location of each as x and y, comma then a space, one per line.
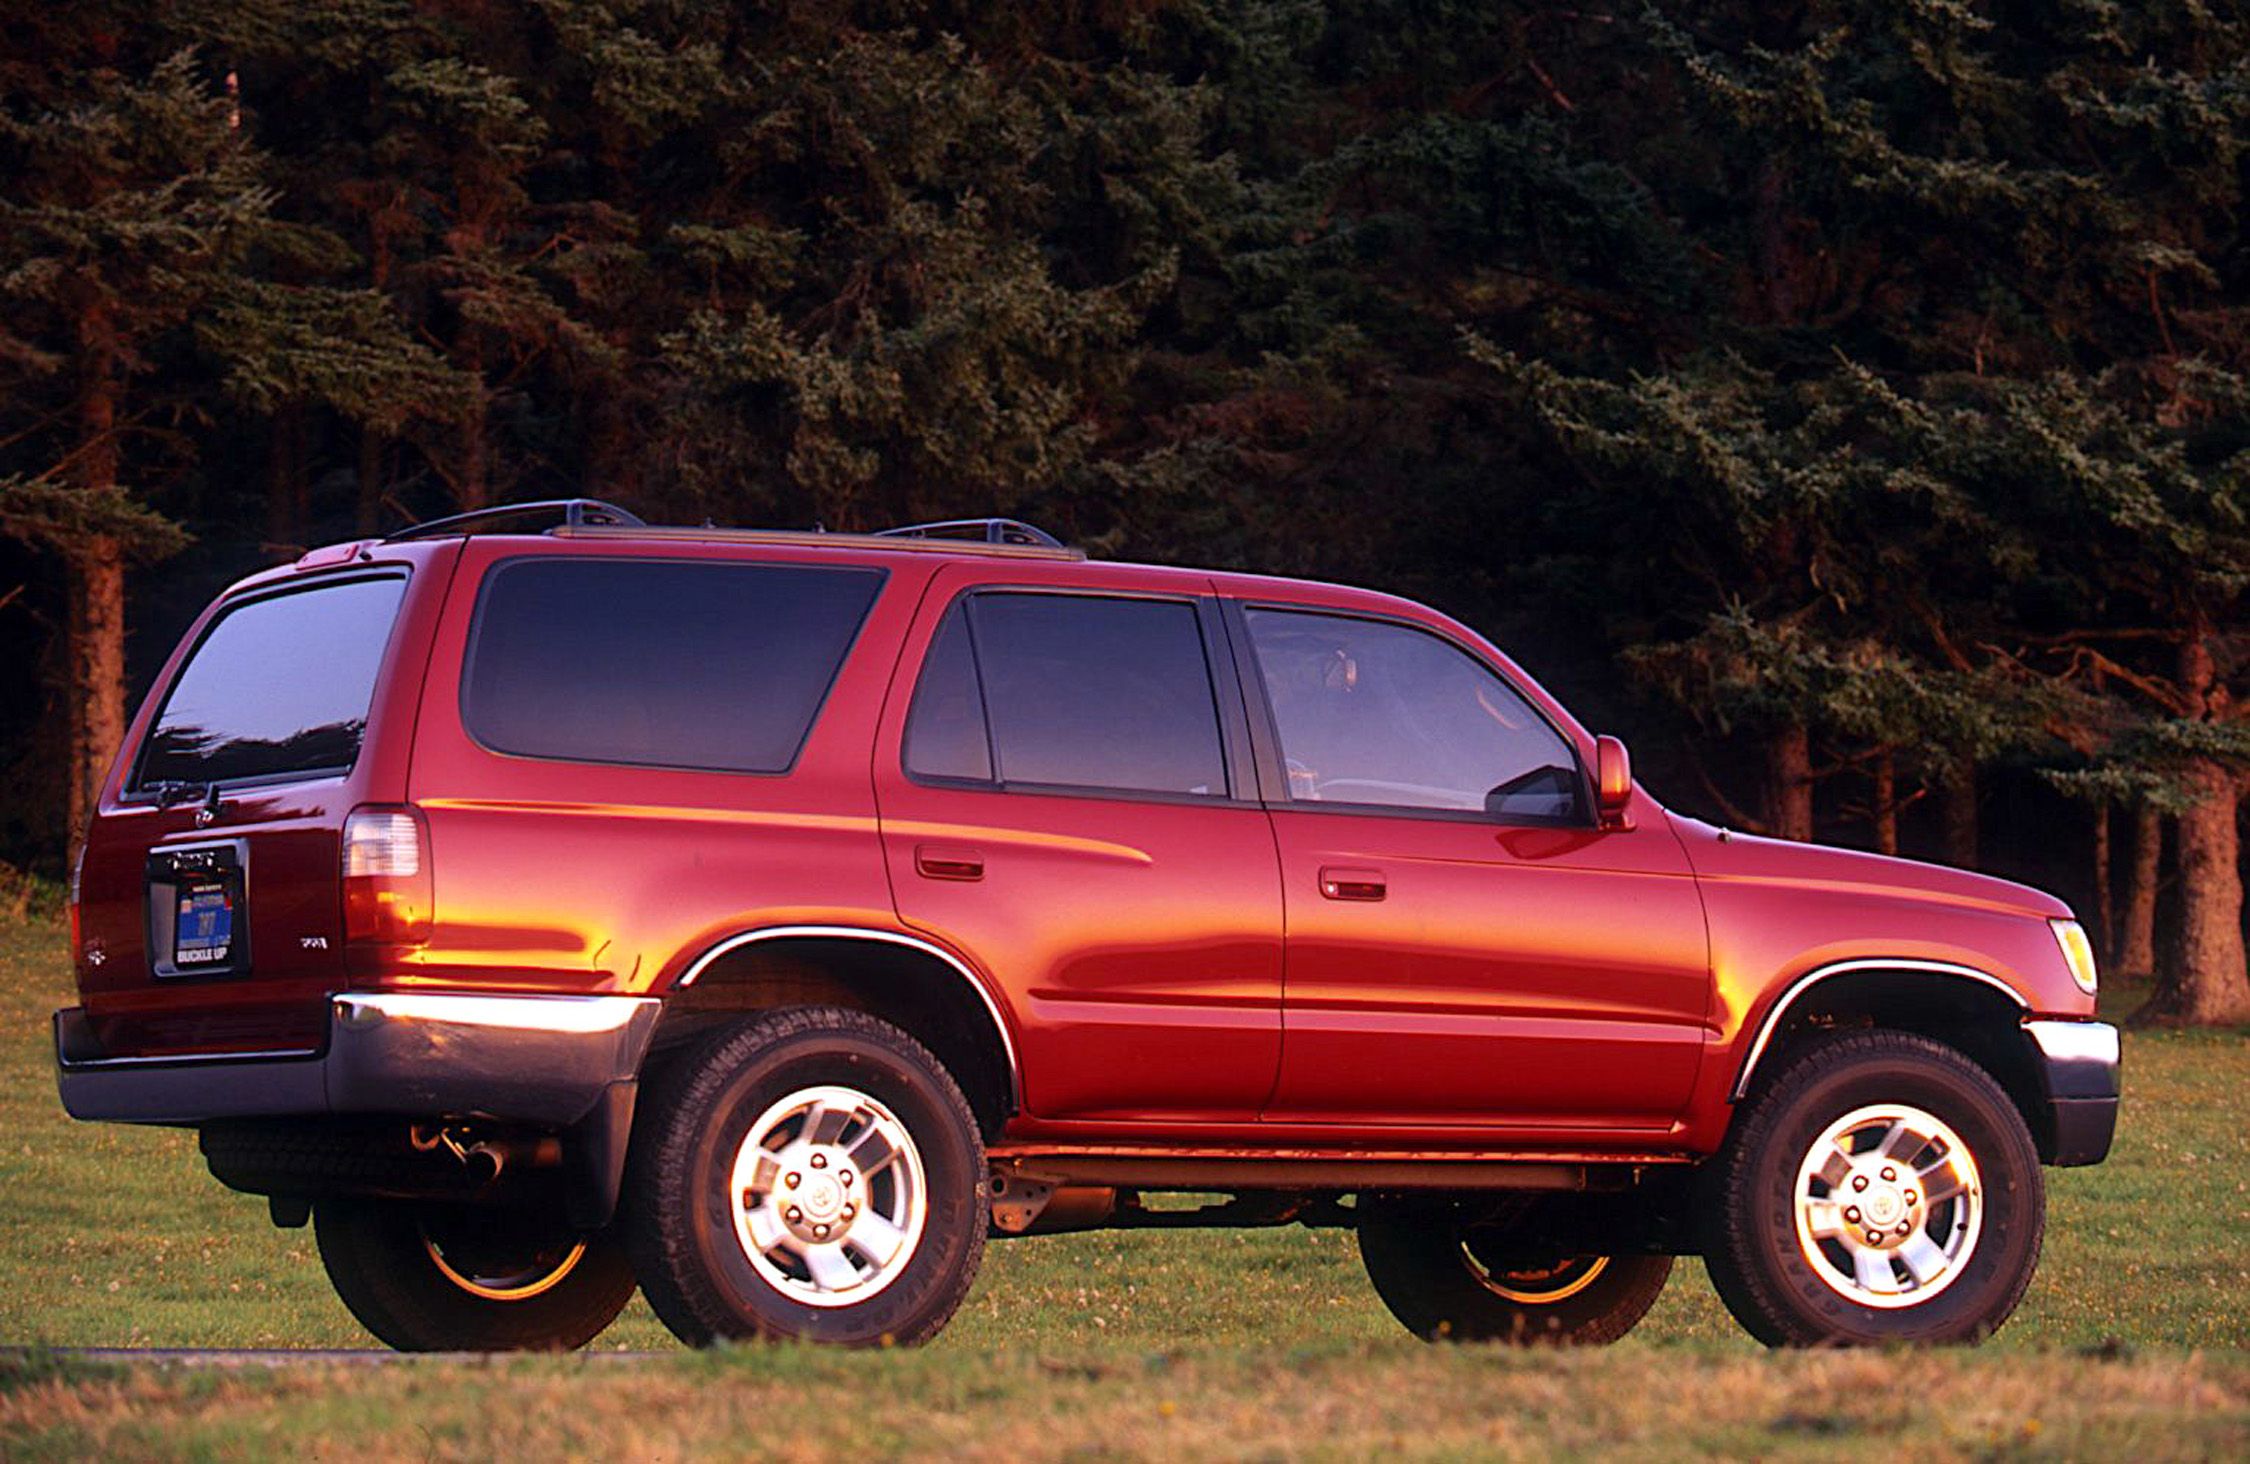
2105, 900
94, 623
1960, 805
288, 494
96, 630
1885, 813
2136, 940
1788, 794
2209, 985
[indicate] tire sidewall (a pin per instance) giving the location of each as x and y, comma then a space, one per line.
756, 1075
1420, 1272
2007, 1244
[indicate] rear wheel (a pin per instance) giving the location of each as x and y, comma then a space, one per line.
1882, 1189
810, 1174
459, 1278
1447, 1281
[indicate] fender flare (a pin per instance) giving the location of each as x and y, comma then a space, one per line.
877, 934
1818, 974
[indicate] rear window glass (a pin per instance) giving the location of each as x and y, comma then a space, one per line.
278, 687
666, 664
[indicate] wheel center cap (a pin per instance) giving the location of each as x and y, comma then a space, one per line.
1884, 1206
821, 1196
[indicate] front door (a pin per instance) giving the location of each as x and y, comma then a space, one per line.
1467, 944
1059, 802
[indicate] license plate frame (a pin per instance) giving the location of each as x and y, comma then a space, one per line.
198, 910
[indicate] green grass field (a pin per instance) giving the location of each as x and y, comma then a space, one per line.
1126, 1343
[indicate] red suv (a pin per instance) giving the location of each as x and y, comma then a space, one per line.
543, 904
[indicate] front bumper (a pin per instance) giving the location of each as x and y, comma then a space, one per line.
2078, 1066
546, 1060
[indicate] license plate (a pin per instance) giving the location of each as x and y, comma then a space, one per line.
204, 933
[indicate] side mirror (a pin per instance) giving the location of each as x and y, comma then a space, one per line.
1613, 778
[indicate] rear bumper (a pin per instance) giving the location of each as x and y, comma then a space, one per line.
2078, 1066
547, 1060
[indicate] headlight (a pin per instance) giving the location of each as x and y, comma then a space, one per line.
2078, 953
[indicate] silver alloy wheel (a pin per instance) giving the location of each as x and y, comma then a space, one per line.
1537, 1285
829, 1199
1888, 1206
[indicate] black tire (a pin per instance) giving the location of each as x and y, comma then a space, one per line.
1450, 1283
412, 1273
681, 1211
1767, 1278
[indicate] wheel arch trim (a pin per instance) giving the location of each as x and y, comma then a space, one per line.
880, 936
1901, 964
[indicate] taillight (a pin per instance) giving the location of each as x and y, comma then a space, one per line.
77, 872
387, 884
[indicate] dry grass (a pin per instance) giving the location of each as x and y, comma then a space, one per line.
1390, 1398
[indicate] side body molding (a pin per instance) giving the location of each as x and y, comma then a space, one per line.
1819, 974
885, 937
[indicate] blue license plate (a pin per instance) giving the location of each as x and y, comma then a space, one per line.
205, 931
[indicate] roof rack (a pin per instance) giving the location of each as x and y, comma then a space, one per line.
975, 531
575, 513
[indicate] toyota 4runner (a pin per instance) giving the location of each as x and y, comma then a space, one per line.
543, 904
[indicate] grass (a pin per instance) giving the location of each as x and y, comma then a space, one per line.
1127, 1342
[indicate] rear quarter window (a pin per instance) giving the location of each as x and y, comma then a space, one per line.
278, 687
711, 666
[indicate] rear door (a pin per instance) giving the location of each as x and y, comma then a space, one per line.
1061, 785
210, 892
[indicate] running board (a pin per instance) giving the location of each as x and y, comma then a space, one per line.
1226, 1173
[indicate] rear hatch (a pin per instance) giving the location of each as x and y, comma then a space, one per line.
210, 889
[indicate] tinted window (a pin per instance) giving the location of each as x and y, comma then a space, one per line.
1085, 692
945, 732
279, 686
716, 666
1373, 713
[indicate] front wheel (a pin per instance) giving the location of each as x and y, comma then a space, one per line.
1450, 1282
1883, 1189
458, 1278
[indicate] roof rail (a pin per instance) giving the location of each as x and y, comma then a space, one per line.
573, 513
976, 531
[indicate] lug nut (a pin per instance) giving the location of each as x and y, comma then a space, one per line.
1889, 1173
1905, 1230
849, 1211
792, 1179
1851, 1213
1910, 1197
1859, 1181
820, 1161
793, 1214
820, 1232
1874, 1237
844, 1177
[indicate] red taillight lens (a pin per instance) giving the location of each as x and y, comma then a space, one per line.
387, 884
77, 872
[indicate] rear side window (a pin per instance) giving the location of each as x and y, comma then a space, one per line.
719, 667
1069, 691
279, 687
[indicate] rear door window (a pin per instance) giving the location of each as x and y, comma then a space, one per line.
665, 663
278, 687
1069, 691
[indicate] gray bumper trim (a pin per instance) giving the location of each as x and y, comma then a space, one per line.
528, 1059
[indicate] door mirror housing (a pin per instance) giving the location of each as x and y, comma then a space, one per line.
1613, 779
